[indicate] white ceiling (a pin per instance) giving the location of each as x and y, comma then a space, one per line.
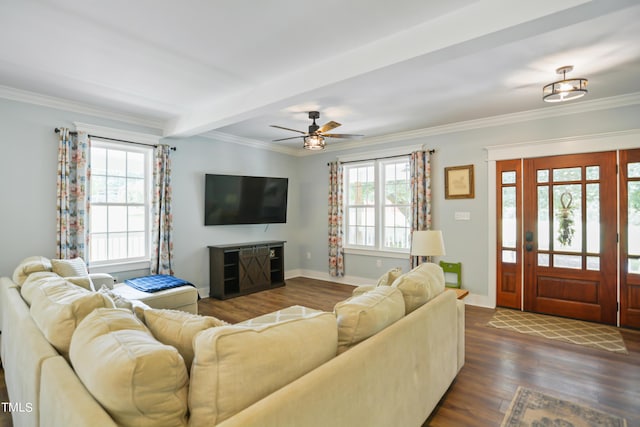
234, 67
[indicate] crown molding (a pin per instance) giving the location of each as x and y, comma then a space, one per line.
125, 135
77, 107
248, 142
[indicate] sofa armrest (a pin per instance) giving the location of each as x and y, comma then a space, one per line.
100, 279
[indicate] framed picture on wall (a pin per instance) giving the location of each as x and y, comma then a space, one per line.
458, 182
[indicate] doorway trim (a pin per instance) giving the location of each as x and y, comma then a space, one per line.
609, 141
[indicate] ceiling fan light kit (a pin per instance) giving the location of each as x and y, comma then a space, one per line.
314, 139
565, 89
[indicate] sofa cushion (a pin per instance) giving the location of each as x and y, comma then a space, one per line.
236, 366
137, 379
34, 281
420, 285
57, 308
364, 315
32, 264
136, 307
178, 328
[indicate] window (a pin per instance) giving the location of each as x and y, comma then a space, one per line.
120, 200
378, 205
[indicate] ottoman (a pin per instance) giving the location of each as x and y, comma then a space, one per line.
183, 298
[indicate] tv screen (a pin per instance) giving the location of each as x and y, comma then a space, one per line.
233, 199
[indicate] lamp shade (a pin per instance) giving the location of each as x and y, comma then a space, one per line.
427, 243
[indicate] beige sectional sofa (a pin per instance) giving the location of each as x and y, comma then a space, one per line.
385, 357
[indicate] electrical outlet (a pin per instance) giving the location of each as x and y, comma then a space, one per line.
308, 255
379, 263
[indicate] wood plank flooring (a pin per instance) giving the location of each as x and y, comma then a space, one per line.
497, 361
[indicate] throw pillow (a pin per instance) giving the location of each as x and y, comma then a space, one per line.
136, 307
388, 278
236, 366
136, 378
363, 316
30, 265
70, 267
57, 308
178, 328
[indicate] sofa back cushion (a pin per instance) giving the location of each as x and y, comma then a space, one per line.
58, 307
137, 379
34, 281
420, 285
364, 315
32, 264
235, 366
178, 328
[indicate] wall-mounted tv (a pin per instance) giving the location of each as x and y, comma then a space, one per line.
234, 199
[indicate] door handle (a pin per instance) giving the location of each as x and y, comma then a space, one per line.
528, 247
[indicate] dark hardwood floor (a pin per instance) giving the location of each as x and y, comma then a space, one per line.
497, 361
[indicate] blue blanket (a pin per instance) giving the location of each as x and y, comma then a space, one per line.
155, 283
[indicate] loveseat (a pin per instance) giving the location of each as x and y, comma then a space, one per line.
384, 357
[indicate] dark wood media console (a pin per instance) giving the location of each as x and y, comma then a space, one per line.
240, 269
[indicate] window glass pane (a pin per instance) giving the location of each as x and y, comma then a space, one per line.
567, 261
633, 213
117, 216
567, 174
543, 176
593, 263
117, 162
509, 177
98, 162
633, 170
567, 217
634, 266
593, 172
593, 218
136, 218
117, 245
135, 165
135, 190
98, 188
509, 256
99, 246
136, 246
509, 220
116, 189
543, 260
543, 218
98, 219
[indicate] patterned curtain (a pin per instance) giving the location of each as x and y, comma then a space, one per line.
336, 256
420, 195
162, 220
72, 218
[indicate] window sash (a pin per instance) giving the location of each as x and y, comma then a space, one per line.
122, 202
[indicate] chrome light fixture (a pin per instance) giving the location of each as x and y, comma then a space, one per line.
565, 89
314, 142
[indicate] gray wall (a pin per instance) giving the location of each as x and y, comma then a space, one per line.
28, 187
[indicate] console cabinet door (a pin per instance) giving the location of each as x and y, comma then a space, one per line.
255, 268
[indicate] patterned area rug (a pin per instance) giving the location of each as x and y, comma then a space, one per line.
594, 335
533, 409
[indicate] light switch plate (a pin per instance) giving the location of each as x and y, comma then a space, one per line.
462, 216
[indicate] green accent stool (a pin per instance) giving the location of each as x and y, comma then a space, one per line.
455, 268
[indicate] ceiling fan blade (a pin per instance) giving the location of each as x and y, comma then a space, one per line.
342, 135
285, 139
328, 126
293, 130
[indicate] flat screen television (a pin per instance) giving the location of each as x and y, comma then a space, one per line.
234, 199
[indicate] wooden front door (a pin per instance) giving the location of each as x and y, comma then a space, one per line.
630, 238
570, 236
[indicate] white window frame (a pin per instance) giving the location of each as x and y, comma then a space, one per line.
131, 263
378, 248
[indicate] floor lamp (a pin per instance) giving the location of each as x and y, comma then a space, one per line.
428, 243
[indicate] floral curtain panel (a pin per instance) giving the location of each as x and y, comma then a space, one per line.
162, 219
336, 255
420, 195
72, 224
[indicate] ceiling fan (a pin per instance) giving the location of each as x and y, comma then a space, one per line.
314, 138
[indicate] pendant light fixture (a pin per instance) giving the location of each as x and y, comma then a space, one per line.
565, 89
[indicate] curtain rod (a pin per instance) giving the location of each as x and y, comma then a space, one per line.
380, 158
57, 130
